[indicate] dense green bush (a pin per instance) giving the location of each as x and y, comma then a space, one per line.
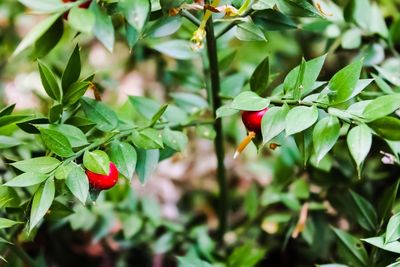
325, 164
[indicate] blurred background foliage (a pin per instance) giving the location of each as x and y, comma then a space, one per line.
174, 213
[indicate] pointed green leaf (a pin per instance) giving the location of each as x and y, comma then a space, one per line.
36, 33
379, 241
26, 179
366, 214
359, 141
103, 27
56, 142
39, 164
260, 77
124, 156
41, 202
300, 118
352, 248
249, 101
106, 119
49, 82
174, 139
326, 133
77, 182
344, 82
393, 229
71, 73
381, 107
147, 163
97, 161
273, 122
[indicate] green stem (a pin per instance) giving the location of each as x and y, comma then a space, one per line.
219, 139
190, 17
233, 24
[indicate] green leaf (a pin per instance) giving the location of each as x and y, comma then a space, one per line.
56, 142
225, 111
77, 182
97, 161
395, 32
386, 202
192, 261
311, 71
248, 31
49, 82
81, 19
298, 8
41, 202
386, 127
251, 202
352, 248
358, 11
344, 82
10, 119
359, 141
132, 36
124, 157
158, 115
260, 77
300, 118
71, 73
106, 119
7, 142
246, 255
148, 138
164, 26
381, 107
7, 110
136, 12
49, 39
147, 163
103, 27
272, 20
55, 113
249, 101
379, 241
273, 122
326, 133
189, 102
179, 49
174, 139
75, 92
36, 33
74, 135
45, 6
26, 179
393, 229
366, 214
131, 225
6, 223
39, 164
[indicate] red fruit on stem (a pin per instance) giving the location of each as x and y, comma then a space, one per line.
252, 120
102, 181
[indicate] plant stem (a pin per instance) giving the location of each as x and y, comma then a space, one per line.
190, 17
215, 102
232, 24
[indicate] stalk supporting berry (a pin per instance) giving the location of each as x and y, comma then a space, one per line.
102, 181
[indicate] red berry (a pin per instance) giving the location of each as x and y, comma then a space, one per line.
252, 120
101, 181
